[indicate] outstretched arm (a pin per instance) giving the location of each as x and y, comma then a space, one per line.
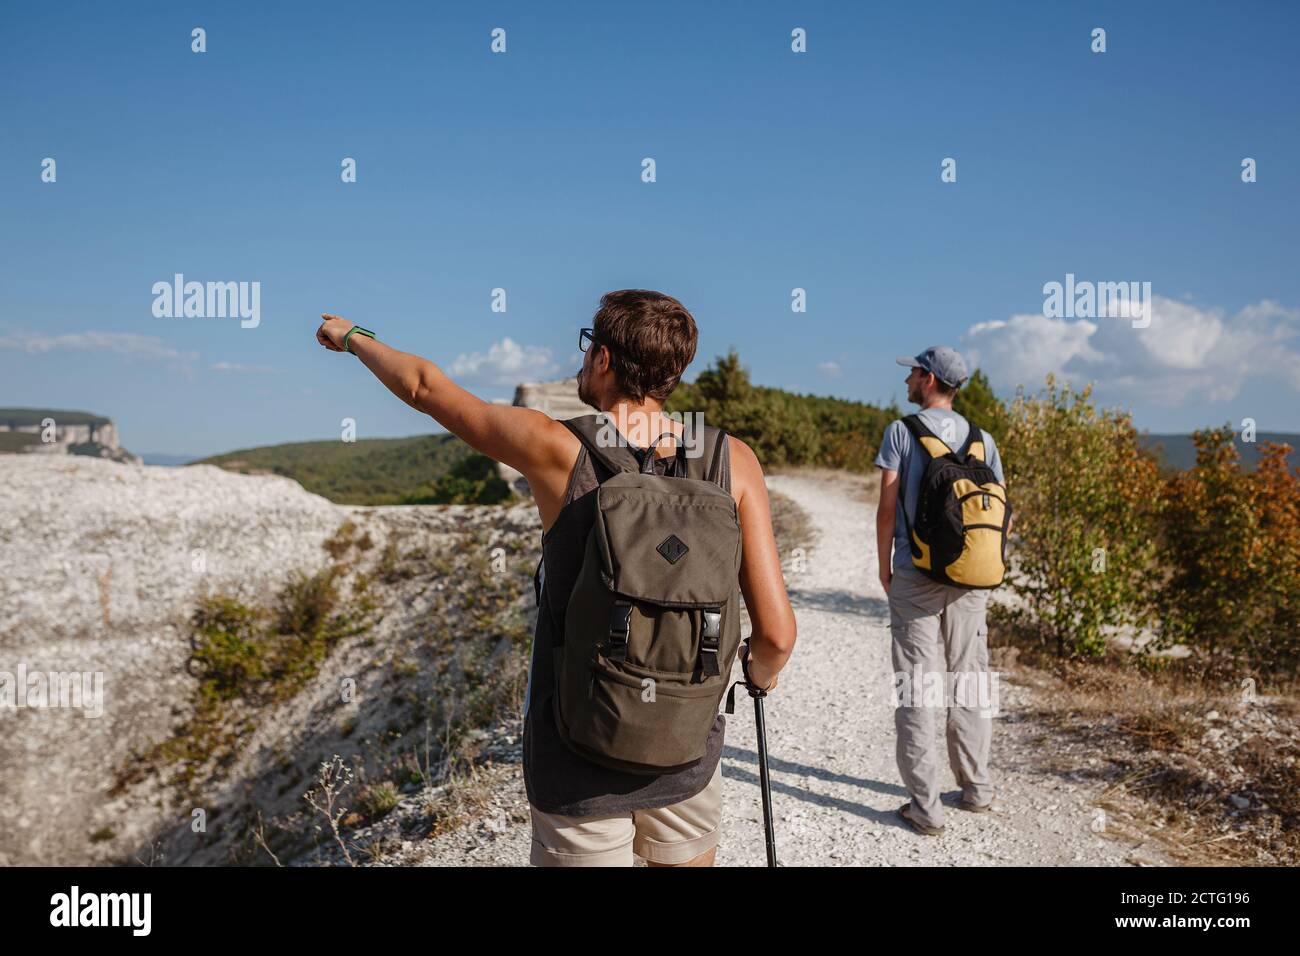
523, 438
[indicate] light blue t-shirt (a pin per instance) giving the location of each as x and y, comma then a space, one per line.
899, 452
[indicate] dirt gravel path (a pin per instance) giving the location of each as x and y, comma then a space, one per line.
835, 785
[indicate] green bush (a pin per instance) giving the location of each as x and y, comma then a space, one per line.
471, 481
1085, 502
378, 800
241, 652
225, 646
976, 403
305, 603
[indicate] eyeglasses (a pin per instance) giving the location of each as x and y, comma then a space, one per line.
586, 339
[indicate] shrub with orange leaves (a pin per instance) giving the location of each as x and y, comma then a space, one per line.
1231, 546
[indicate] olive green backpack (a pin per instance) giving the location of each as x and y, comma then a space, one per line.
653, 622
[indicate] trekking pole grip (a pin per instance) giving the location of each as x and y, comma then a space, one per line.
754, 690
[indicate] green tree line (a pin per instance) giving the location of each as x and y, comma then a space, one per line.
784, 428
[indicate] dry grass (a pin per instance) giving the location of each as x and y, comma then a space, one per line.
790, 524
1209, 772
465, 797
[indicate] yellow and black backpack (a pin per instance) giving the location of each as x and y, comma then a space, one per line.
962, 512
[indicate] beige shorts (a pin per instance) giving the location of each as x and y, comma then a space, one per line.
672, 834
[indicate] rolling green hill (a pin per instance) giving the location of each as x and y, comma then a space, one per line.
425, 469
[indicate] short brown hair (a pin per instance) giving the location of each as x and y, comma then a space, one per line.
651, 339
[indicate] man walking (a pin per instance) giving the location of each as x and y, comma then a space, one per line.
938, 627
587, 813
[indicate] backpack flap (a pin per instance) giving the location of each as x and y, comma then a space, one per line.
672, 542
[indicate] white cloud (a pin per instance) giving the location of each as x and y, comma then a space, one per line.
506, 364
829, 369
122, 343
1187, 352
1024, 348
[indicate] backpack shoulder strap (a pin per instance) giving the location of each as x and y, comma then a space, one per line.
599, 436
975, 443
930, 443
604, 444
917, 429
717, 450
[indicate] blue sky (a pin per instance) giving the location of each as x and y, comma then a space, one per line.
522, 170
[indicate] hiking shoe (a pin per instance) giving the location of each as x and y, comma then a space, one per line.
974, 807
921, 828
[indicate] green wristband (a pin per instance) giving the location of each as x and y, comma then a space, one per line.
355, 328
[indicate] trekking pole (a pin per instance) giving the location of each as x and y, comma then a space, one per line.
760, 733
760, 730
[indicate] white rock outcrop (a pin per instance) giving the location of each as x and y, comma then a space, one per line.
100, 566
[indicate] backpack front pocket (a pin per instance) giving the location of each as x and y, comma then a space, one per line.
643, 717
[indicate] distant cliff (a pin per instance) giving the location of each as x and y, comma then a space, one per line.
50, 431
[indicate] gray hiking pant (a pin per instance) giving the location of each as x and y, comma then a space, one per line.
941, 662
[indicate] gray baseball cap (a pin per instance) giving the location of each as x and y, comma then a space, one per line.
945, 363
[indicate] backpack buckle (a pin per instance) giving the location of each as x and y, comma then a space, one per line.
620, 617
710, 642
